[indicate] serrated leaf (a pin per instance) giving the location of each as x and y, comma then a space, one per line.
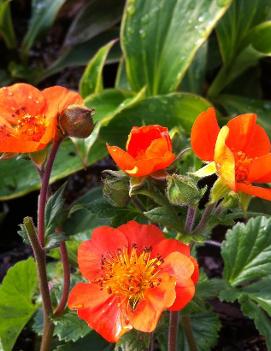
164, 217
16, 305
161, 37
93, 340
261, 319
205, 328
70, 328
91, 81
54, 210
247, 251
133, 341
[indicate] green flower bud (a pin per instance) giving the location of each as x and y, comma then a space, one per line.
183, 191
76, 121
116, 189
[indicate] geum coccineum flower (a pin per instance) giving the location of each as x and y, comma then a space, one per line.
28, 116
134, 274
239, 152
148, 150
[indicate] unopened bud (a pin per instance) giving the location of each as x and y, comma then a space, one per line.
116, 189
183, 191
76, 121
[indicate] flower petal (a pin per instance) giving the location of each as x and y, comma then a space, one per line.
104, 240
241, 130
123, 160
140, 138
100, 310
260, 169
263, 193
178, 265
185, 291
147, 313
143, 235
224, 159
259, 144
167, 246
204, 133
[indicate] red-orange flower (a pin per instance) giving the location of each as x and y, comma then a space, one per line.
148, 149
28, 116
134, 274
239, 152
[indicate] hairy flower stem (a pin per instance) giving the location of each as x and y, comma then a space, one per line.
151, 342
186, 323
203, 221
190, 219
40, 256
44, 190
173, 331
48, 326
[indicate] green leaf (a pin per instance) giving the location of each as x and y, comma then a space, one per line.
6, 25
260, 38
237, 104
92, 80
43, 14
93, 19
18, 176
121, 81
173, 110
205, 328
261, 319
70, 328
247, 251
164, 217
54, 210
16, 306
133, 341
93, 340
160, 38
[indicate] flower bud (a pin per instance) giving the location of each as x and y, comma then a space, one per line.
183, 191
116, 189
76, 121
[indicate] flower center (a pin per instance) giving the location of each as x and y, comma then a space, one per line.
242, 163
23, 123
129, 274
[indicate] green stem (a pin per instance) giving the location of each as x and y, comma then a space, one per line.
173, 331
220, 81
187, 327
204, 218
39, 254
190, 219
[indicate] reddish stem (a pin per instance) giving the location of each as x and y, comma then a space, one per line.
44, 189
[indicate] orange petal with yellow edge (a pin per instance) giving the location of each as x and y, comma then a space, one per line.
123, 160
204, 133
260, 169
101, 311
147, 312
224, 159
263, 193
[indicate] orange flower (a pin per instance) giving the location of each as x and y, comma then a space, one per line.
149, 149
239, 152
28, 116
134, 275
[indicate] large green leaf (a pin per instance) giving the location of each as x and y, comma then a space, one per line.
6, 24
243, 40
247, 251
16, 306
91, 341
160, 38
18, 176
237, 104
173, 110
93, 19
92, 80
43, 14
